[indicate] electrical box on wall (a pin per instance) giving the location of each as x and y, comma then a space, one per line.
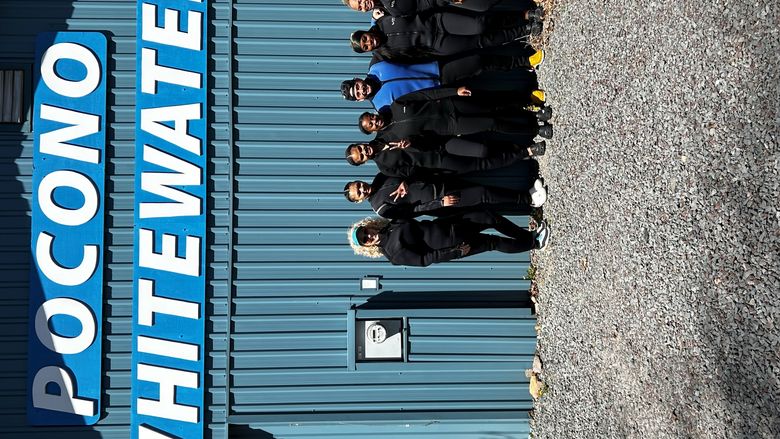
379, 340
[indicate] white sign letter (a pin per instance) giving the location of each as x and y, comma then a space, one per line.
69, 277
65, 401
168, 379
73, 308
65, 87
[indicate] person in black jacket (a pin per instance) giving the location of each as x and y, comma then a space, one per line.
426, 37
422, 243
449, 111
400, 8
396, 198
422, 157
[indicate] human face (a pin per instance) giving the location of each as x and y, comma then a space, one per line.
368, 42
368, 236
372, 123
361, 153
361, 90
359, 191
361, 5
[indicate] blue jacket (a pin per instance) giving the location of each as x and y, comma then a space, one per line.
400, 79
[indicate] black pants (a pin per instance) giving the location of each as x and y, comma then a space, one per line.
456, 71
462, 165
473, 223
475, 195
465, 33
475, 115
477, 5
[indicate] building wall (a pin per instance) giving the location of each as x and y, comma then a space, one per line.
20, 22
282, 283
296, 280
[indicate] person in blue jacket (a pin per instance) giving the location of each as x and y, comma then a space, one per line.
387, 81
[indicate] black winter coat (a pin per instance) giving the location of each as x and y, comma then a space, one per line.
400, 8
422, 198
409, 39
423, 112
422, 243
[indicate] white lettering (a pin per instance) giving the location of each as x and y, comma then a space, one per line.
69, 277
73, 308
83, 124
65, 87
63, 215
167, 259
166, 407
180, 115
149, 304
65, 401
159, 183
168, 348
147, 433
169, 34
152, 73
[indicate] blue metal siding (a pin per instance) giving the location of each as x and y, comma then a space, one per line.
295, 277
19, 23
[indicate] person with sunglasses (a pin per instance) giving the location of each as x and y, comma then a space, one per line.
422, 243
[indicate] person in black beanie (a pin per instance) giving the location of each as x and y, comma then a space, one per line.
454, 112
399, 8
397, 198
422, 157
423, 38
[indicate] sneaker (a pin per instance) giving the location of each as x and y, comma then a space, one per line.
538, 97
544, 114
538, 197
546, 131
536, 59
542, 235
538, 148
536, 14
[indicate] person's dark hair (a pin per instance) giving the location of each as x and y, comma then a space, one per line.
354, 40
346, 191
346, 89
360, 122
348, 154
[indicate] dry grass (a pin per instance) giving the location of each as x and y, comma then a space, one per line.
551, 13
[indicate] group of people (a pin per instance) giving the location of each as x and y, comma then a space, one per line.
425, 125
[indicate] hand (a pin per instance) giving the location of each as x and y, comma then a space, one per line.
463, 91
376, 14
457, 2
464, 249
400, 144
400, 192
449, 200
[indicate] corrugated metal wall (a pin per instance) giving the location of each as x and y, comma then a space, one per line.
20, 21
487, 428
295, 276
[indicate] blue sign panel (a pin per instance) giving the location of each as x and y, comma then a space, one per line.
66, 279
169, 287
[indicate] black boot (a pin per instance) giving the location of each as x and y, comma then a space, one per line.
544, 114
546, 131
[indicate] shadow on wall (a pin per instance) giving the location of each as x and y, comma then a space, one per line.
19, 27
448, 300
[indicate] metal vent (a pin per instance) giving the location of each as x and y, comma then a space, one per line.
11, 95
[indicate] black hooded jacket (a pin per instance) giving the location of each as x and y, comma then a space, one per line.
400, 8
409, 39
422, 243
423, 112
422, 197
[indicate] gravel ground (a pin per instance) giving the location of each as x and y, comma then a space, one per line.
660, 294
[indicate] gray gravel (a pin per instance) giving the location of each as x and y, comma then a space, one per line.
660, 294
